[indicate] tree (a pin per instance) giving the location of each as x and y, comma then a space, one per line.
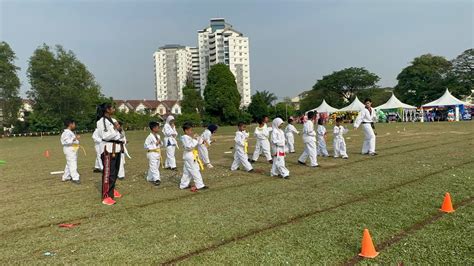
221, 97
268, 97
192, 100
347, 82
283, 110
377, 95
424, 80
339, 88
462, 72
10, 102
61, 87
315, 97
259, 104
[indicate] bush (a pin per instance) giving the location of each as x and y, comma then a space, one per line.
208, 119
20, 127
195, 119
133, 120
244, 117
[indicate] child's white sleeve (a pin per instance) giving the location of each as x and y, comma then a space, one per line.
67, 138
148, 145
96, 137
278, 139
239, 139
311, 131
293, 128
189, 143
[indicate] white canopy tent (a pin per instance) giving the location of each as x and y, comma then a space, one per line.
324, 107
407, 111
447, 99
394, 103
355, 106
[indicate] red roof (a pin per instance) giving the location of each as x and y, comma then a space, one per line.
152, 104
135, 103
169, 103
119, 102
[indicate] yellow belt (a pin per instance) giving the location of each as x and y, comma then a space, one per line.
158, 150
246, 146
76, 147
197, 159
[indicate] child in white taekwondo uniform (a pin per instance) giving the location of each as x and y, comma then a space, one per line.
290, 130
367, 118
321, 136
309, 139
121, 173
262, 132
170, 143
111, 147
192, 162
206, 142
152, 146
339, 142
278, 149
241, 149
98, 167
70, 142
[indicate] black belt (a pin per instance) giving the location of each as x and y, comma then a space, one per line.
113, 141
372, 124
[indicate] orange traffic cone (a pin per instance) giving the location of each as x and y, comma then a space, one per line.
447, 205
368, 249
46, 154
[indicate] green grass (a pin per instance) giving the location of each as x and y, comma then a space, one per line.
315, 217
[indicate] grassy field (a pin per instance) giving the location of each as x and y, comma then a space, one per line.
317, 216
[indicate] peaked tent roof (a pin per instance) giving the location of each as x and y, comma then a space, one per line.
355, 106
394, 103
324, 107
446, 100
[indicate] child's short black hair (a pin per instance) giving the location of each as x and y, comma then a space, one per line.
260, 119
310, 114
367, 100
339, 119
290, 120
320, 121
240, 124
68, 122
187, 125
153, 124
212, 128
120, 123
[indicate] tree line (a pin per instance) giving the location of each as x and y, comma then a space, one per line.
424, 80
62, 87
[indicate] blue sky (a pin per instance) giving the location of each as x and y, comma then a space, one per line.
292, 43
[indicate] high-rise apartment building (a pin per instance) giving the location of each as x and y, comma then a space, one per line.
218, 43
221, 43
173, 68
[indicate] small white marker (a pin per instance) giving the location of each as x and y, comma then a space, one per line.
57, 173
